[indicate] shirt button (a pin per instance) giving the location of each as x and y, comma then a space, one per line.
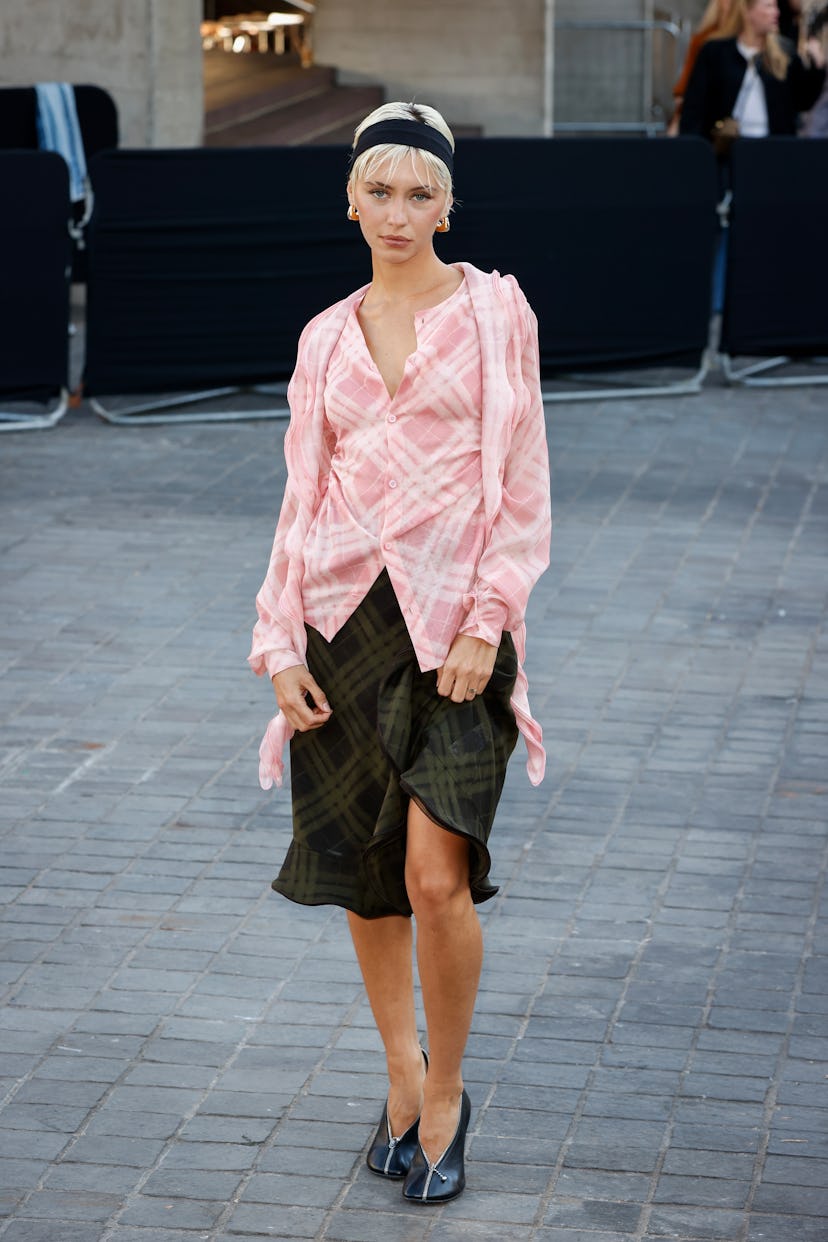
392, 418
392, 482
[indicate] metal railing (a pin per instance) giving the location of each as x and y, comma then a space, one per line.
644, 83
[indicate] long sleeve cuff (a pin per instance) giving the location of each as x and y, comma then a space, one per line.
485, 618
279, 659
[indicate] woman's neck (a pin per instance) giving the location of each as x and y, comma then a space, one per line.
400, 281
750, 38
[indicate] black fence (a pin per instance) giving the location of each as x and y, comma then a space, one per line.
98, 125
34, 290
612, 242
204, 265
777, 273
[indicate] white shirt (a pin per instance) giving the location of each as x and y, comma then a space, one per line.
751, 109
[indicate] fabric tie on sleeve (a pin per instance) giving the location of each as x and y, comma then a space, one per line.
271, 752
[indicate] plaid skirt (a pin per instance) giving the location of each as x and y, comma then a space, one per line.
391, 738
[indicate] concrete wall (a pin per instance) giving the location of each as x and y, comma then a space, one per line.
481, 62
146, 53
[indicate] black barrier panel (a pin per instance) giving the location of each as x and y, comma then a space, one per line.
776, 299
208, 263
97, 118
34, 290
611, 240
98, 123
18, 118
204, 265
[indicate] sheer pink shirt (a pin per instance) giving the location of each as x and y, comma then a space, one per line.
404, 489
487, 592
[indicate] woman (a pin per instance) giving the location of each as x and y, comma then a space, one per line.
415, 523
712, 26
747, 76
816, 27
790, 13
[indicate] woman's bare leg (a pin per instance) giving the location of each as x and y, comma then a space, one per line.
383, 948
449, 958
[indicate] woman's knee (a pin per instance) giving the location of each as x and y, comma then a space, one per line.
434, 887
436, 865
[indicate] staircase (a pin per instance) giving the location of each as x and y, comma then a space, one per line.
260, 100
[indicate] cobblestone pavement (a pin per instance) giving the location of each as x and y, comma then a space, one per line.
187, 1056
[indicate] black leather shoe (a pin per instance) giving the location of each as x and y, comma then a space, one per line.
389, 1156
446, 1178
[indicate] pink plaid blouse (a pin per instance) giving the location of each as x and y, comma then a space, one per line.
386, 452
446, 485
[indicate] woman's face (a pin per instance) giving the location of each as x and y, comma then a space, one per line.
398, 211
762, 17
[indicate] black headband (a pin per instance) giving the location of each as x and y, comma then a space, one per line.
405, 134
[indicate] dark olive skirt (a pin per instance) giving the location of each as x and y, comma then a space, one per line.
391, 738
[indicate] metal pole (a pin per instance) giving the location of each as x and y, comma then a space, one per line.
647, 64
548, 127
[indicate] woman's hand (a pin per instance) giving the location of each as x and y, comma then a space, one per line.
467, 669
672, 130
291, 686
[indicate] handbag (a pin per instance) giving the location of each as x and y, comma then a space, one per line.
723, 134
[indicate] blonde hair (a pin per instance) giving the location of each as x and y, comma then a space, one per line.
715, 15
366, 164
775, 59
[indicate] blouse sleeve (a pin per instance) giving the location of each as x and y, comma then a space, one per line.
517, 550
274, 644
272, 648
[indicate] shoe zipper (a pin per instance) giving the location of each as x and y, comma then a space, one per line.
392, 1143
432, 1169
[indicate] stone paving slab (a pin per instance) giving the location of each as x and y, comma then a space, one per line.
184, 1055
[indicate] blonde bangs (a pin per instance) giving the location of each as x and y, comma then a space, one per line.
368, 164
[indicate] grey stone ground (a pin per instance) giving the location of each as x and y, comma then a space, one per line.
187, 1056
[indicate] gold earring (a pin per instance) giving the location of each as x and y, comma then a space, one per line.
443, 225
353, 213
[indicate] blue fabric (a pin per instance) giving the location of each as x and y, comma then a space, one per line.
58, 130
720, 271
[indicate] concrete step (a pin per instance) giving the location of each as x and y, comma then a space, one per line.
259, 100
326, 115
235, 93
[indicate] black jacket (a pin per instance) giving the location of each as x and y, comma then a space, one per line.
714, 88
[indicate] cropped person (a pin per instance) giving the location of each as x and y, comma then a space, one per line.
816, 27
414, 525
790, 14
747, 78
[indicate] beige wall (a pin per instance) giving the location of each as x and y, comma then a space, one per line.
146, 53
481, 62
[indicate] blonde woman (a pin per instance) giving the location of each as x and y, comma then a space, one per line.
414, 524
746, 75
